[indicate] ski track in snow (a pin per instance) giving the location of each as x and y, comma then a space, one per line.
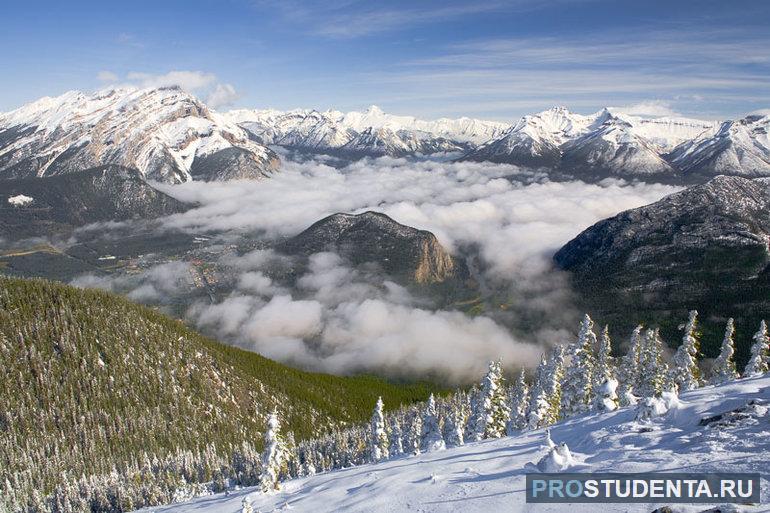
489, 476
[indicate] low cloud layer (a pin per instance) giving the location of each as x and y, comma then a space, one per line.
339, 319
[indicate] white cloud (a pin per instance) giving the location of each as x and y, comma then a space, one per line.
107, 76
650, 108
351, 321
221, 96
188, 80
205, 85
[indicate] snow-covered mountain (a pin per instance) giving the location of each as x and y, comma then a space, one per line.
370, 133
739, 147
711, 429
171, 136
593, 146
165, 133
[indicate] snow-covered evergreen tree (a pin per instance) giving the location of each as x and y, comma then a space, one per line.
685, 373
654, 373
576, 389
758, 362
605, 396
378, 448
414, 434
545, 399
605, 363
432, 440
492, 412
453, 427
629, 373
246, 506
273, 460
519, 401
396, 446
724, 365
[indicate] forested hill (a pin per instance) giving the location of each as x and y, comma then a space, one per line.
93, 383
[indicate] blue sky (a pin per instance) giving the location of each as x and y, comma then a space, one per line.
495, 60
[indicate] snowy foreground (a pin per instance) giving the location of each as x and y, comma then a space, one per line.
489, 476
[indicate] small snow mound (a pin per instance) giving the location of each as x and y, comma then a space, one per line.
671, 400
20, 200
558, 459
650, 408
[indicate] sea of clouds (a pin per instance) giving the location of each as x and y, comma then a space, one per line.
343, 320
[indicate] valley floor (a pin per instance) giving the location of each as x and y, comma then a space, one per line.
489, 476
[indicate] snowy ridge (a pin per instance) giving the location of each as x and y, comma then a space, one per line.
703, 431
160, 131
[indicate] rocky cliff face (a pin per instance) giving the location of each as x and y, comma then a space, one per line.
706, 247
401, 251
42, 206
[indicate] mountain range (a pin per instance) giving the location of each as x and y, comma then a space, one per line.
171, 136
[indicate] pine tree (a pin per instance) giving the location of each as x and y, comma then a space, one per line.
492, 409
758, 363
605, 363
519, 401
432, 440
654, 373
630, 372
273, 461
724, 365
453, 427
414, 434
686, 374
378, 449
396, 446
578, 379
545, 399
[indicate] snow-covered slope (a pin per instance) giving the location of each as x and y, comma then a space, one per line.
489, 476
739, 147
163, 132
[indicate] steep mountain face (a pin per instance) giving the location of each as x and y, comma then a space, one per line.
94, 382
371, 237
738, 148
41, 206
161, 132
705, 247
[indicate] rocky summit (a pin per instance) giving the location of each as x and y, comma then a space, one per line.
372, 237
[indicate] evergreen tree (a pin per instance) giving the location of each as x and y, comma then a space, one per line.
545, 399
378, 449
396, 446
453, 427
579, 376
758, 363
273, 461
630, 373
724, 365
432, 440
605, 363
519, 400
685, 373
491, 413
654, 373
414, 435
246, 506
473, 428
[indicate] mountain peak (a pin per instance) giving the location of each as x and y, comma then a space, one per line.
372, 237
